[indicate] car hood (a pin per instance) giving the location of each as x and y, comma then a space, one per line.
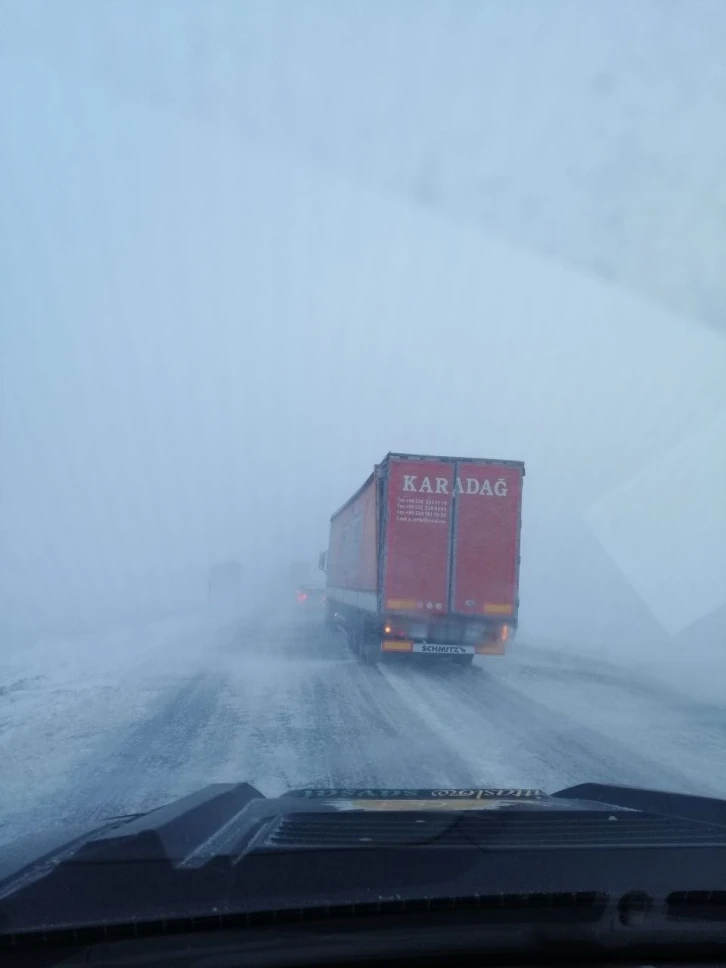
240, 807
229, 848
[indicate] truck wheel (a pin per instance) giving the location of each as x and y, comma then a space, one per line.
462, 660
356, 641
369, 646
352, 636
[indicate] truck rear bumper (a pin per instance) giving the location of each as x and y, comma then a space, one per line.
434, 648
439, 648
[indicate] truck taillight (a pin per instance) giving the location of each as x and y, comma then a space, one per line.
503, 633
396, 630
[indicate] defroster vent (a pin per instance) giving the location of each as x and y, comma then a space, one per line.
501, 831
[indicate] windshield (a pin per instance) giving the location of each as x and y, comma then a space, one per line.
362, 399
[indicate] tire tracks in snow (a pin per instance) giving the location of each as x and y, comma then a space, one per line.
289, 706
134, 774
312, 715
140, 766
510, 739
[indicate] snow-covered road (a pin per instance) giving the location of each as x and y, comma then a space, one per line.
98, 726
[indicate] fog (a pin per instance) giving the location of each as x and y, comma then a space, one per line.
587, 131
217, 312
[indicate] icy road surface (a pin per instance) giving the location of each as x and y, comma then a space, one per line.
97, 726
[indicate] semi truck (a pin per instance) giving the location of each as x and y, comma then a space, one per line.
424, 558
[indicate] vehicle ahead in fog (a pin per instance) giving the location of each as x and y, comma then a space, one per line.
368, 876
310, 600
424, 558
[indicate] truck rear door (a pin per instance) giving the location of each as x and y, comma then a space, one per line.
486, 528
418, 529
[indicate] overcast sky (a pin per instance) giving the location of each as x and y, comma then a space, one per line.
212, 325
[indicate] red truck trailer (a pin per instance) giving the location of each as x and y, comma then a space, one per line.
424, 558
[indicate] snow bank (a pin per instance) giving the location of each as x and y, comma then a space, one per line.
692, 665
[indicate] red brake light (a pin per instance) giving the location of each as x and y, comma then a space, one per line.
301, 596
397, 632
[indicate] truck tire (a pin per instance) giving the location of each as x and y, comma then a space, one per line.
355, 640
368, 645
462, 661
351, 635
